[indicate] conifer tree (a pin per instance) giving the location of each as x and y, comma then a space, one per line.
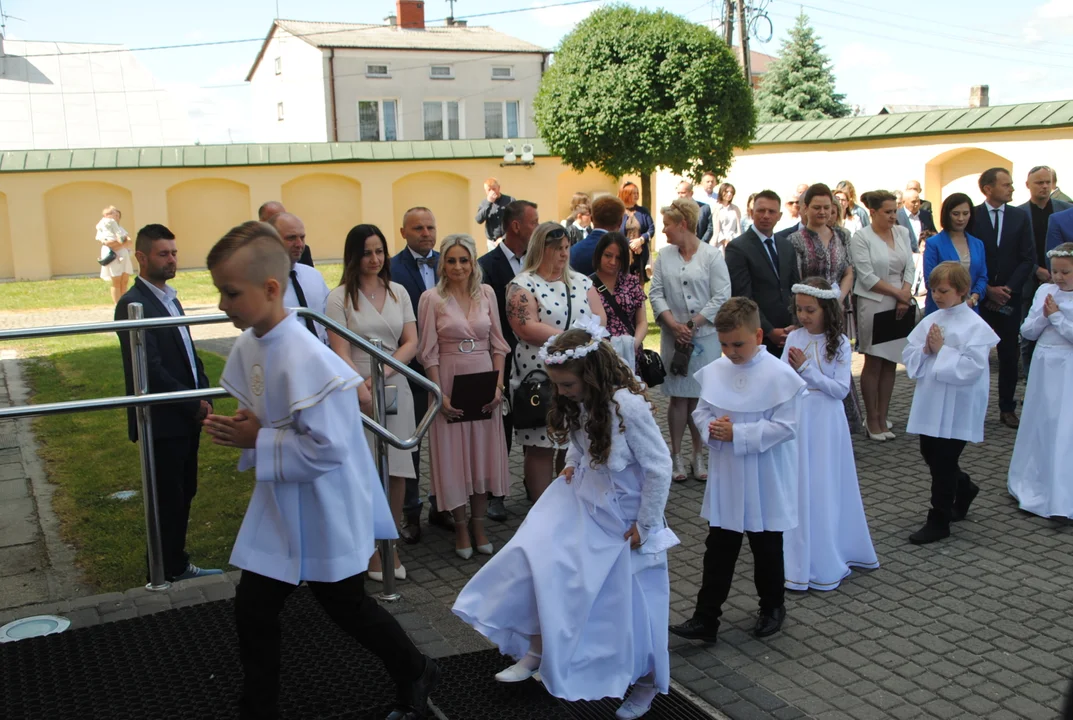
799, 84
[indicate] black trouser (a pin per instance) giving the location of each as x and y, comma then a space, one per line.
175, 459
720, 558
942, 455
411, 504
258, 603
1007, 328
508, 419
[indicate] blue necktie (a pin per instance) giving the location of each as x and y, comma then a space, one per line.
772, 255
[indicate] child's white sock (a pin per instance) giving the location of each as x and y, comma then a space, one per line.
531, 661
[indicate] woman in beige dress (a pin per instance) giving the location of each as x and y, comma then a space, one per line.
370, 305
460, 334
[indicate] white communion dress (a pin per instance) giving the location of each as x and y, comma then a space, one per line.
601, 608
832, 531
1040, 477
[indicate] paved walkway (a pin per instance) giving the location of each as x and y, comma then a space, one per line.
977, 626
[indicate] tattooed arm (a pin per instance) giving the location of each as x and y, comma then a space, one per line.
523, 313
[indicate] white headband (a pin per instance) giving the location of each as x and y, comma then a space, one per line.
820, 293
591, 325
1059, 253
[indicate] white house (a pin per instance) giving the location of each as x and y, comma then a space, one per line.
322, 82
80, 95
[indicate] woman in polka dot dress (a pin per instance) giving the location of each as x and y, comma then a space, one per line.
538, 308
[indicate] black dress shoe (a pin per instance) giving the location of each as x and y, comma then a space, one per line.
411, 530
443, 519
1010, 420
496, 511
769, 622
967, 492
412, 702
693, 629
936, 528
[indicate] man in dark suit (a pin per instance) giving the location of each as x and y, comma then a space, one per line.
924, 204
498, 268
764, 268
607, 212
268, 212
414, 267
173, 365
1011, 257
705, 228
1040, 207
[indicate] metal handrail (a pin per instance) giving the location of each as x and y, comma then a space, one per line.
142, 400
119, 401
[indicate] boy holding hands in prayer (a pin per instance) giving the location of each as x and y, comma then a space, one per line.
749, 405
317, 506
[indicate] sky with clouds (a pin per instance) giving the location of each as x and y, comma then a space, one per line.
913, 52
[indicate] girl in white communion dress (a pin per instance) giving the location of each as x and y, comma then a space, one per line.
581, 592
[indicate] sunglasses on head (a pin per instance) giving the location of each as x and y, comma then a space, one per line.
557, 233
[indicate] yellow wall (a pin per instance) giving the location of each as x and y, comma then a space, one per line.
53, 214
7, 263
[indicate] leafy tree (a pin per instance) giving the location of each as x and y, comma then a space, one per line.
631, 91
799, 84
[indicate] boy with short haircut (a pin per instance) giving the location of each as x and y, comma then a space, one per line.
317, 506
948, 355
749, 404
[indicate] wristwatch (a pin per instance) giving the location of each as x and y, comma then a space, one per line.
690, 324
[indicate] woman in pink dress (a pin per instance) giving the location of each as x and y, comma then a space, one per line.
460, 334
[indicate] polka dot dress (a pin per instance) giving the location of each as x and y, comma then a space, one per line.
552, 308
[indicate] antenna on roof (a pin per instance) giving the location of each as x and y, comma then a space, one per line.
451, 14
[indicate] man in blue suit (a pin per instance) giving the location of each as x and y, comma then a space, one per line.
1039, 208
414, 267
1059, 229
1011, 257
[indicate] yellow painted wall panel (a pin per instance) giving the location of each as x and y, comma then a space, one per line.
329, 205
72, 212
200, 212
7, 260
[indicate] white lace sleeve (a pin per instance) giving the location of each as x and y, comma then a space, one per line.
649, 449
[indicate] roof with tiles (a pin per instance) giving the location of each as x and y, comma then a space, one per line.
455, 37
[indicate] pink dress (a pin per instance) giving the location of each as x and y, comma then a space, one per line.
467, 457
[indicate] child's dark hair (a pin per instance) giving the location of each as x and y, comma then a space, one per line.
832, 317
601, 372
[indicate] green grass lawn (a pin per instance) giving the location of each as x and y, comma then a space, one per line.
88, 456
193, 286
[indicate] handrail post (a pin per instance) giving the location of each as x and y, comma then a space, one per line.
140, 367
387, 547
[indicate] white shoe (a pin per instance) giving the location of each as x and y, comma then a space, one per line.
486, 549
375, 576
700, 468
464, 553
890, 425
889, 435
680, 472
878, 437
631, 709
400, 572
516, 672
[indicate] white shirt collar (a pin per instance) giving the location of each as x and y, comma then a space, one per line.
510, 253
166, 296
991, 208
762, 236
416, 256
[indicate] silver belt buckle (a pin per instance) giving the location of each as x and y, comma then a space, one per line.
464, 350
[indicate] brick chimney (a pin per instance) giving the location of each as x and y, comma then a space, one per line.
411, 14
978, 96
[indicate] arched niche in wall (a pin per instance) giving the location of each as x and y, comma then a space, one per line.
958, 170
328, 205
445, 194
71, 213
201, 211
592, 182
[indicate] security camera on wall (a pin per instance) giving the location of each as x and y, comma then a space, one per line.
527, 153
508, 153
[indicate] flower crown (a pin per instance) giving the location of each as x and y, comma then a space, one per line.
1059, 253
802, 289
591, 325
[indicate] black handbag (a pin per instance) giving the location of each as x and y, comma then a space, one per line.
108, 259
649, 363
530, 401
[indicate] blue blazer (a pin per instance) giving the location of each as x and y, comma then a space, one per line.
404, 271
940, 248
1059, 230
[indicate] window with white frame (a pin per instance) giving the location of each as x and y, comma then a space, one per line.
502, 119
441, 72
279, 65
376, 71
441, 120
378, 120
279, 111
503, 72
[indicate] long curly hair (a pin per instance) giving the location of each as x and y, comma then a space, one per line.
832, 317
602, 373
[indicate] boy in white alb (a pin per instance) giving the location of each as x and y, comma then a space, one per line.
317, 506
748, 407
948, 356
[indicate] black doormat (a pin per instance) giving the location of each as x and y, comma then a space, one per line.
183, 665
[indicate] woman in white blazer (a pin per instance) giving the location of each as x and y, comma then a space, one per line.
883, 265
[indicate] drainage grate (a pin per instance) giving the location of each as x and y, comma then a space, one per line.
183, 665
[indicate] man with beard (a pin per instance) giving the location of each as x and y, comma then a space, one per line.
173, 365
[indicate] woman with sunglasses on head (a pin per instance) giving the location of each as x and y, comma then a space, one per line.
543, 300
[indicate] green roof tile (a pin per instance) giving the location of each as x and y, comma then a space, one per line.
12, 161
171, 157
238, 155
319, 153
216, 155
150, 157
128, 157
193, 156
37, 160
82, 159
105, 158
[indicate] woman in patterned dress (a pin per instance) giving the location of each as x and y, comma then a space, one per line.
543, 300
622, 297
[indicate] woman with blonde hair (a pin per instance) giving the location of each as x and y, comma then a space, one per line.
543, 300
460, 334
114, 239
689, 285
